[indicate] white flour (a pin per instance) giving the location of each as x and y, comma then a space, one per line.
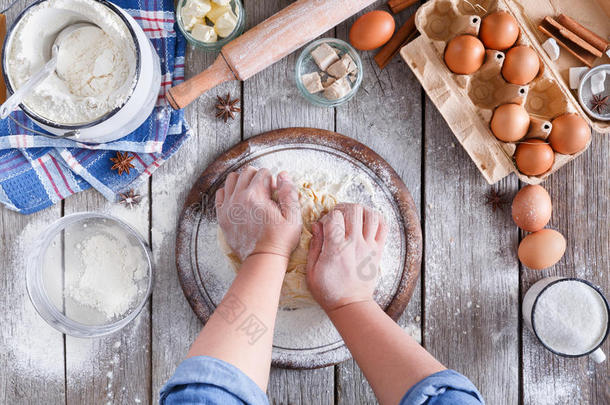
109, 278
306, 329
96, 66
570, 317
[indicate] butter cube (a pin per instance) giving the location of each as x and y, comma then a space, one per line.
197, 8
324, 55
193, 12
342, 67
225, 24
204, 33
338, 89
189, 18
217, 11
312, 82
202, 6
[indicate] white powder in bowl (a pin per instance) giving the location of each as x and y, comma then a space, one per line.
96, 66
109, 277
570, 317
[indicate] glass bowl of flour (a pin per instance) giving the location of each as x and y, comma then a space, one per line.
89, 274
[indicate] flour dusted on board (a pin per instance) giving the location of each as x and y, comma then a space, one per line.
300, 329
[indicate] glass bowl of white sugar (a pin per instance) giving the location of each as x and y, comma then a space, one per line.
89, 274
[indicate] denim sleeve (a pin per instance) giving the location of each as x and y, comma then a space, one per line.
207, 380
443, 388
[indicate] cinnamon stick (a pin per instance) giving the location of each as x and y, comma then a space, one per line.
587, 35
399, 5
574, 37
585, 57
403, 35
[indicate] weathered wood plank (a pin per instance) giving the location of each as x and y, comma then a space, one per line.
31, 351
272, 101
471, 273
581, 210
102, 370
386, 116
174, 325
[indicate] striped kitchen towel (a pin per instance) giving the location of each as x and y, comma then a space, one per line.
37, 172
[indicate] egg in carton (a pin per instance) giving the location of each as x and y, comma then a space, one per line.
468, 101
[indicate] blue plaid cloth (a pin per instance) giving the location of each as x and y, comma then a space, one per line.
36, 172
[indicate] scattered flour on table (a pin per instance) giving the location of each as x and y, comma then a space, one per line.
33, 355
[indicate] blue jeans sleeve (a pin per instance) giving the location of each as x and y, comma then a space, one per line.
443, 388
207, 380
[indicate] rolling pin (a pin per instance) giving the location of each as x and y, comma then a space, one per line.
267, 43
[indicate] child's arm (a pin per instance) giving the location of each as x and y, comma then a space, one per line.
342, 272
263, 233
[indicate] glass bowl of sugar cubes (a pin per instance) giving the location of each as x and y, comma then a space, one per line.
210, 24
328, 72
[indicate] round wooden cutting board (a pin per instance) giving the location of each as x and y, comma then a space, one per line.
304, 338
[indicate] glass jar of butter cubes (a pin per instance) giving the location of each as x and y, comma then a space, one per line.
328, 72
210, 24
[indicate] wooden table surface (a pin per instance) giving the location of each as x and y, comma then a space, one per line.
466, 309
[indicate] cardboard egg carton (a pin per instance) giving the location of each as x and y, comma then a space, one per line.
467, 102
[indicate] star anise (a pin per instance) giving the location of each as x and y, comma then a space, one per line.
495, 199
122, 162
227, 107
130, 199
598, 103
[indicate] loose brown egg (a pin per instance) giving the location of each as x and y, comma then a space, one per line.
570, 134
521, 65
464, 54
371, 30
542, 249
532, 208
499, 31
510, 122
534, 157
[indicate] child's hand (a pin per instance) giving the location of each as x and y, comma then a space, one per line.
251, 221
344, 256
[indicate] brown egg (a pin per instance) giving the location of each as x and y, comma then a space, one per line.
464, 54
542, 249
570, 134
532, 208
510, 122
534, 157
499, 31
521, 65
371, 30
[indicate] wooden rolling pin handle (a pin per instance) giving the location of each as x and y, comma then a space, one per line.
183, 94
